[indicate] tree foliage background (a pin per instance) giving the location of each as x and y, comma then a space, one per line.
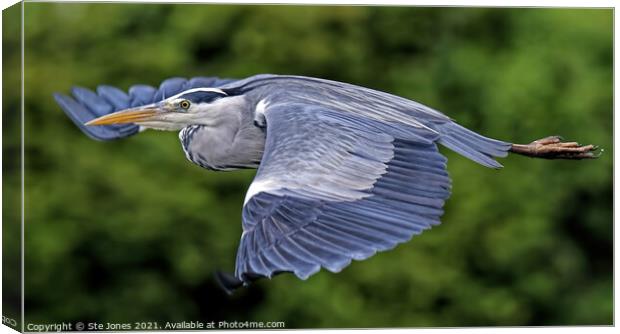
132, 231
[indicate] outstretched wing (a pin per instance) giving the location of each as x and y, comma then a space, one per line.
86, 105
334, 187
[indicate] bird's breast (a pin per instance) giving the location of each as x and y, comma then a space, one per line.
191, 152
222, 149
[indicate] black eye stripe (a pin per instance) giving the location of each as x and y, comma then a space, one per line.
202, 97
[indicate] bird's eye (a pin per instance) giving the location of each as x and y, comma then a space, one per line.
184, 104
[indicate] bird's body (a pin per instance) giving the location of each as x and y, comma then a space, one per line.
343, 171
239, 142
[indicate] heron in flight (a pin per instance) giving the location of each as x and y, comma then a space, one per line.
343, 171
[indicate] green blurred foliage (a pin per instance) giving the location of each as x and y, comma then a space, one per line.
11, 165
131, 231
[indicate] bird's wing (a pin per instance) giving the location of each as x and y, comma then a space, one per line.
333, 187
86, 105
379, 106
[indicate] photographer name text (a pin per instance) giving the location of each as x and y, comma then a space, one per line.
152, 325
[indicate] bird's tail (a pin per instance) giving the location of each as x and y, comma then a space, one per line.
471, 145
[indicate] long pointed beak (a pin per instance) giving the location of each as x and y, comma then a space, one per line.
132, 115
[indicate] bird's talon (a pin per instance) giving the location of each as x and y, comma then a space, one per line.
553, 148
548, 140
598, 154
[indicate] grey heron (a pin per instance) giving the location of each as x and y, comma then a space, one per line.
343, 171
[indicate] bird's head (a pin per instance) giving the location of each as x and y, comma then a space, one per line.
198, 106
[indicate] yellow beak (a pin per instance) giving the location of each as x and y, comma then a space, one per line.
132, 115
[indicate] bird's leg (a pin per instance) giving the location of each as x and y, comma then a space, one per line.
554, 148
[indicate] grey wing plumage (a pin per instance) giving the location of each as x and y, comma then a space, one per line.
380, 106
86, 105
333, 187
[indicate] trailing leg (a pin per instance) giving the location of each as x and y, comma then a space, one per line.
553, 148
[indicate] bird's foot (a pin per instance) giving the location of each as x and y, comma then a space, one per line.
554, 148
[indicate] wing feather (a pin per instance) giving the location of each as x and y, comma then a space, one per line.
86, 105
336, 189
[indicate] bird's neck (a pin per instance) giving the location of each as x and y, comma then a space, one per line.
235, 144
